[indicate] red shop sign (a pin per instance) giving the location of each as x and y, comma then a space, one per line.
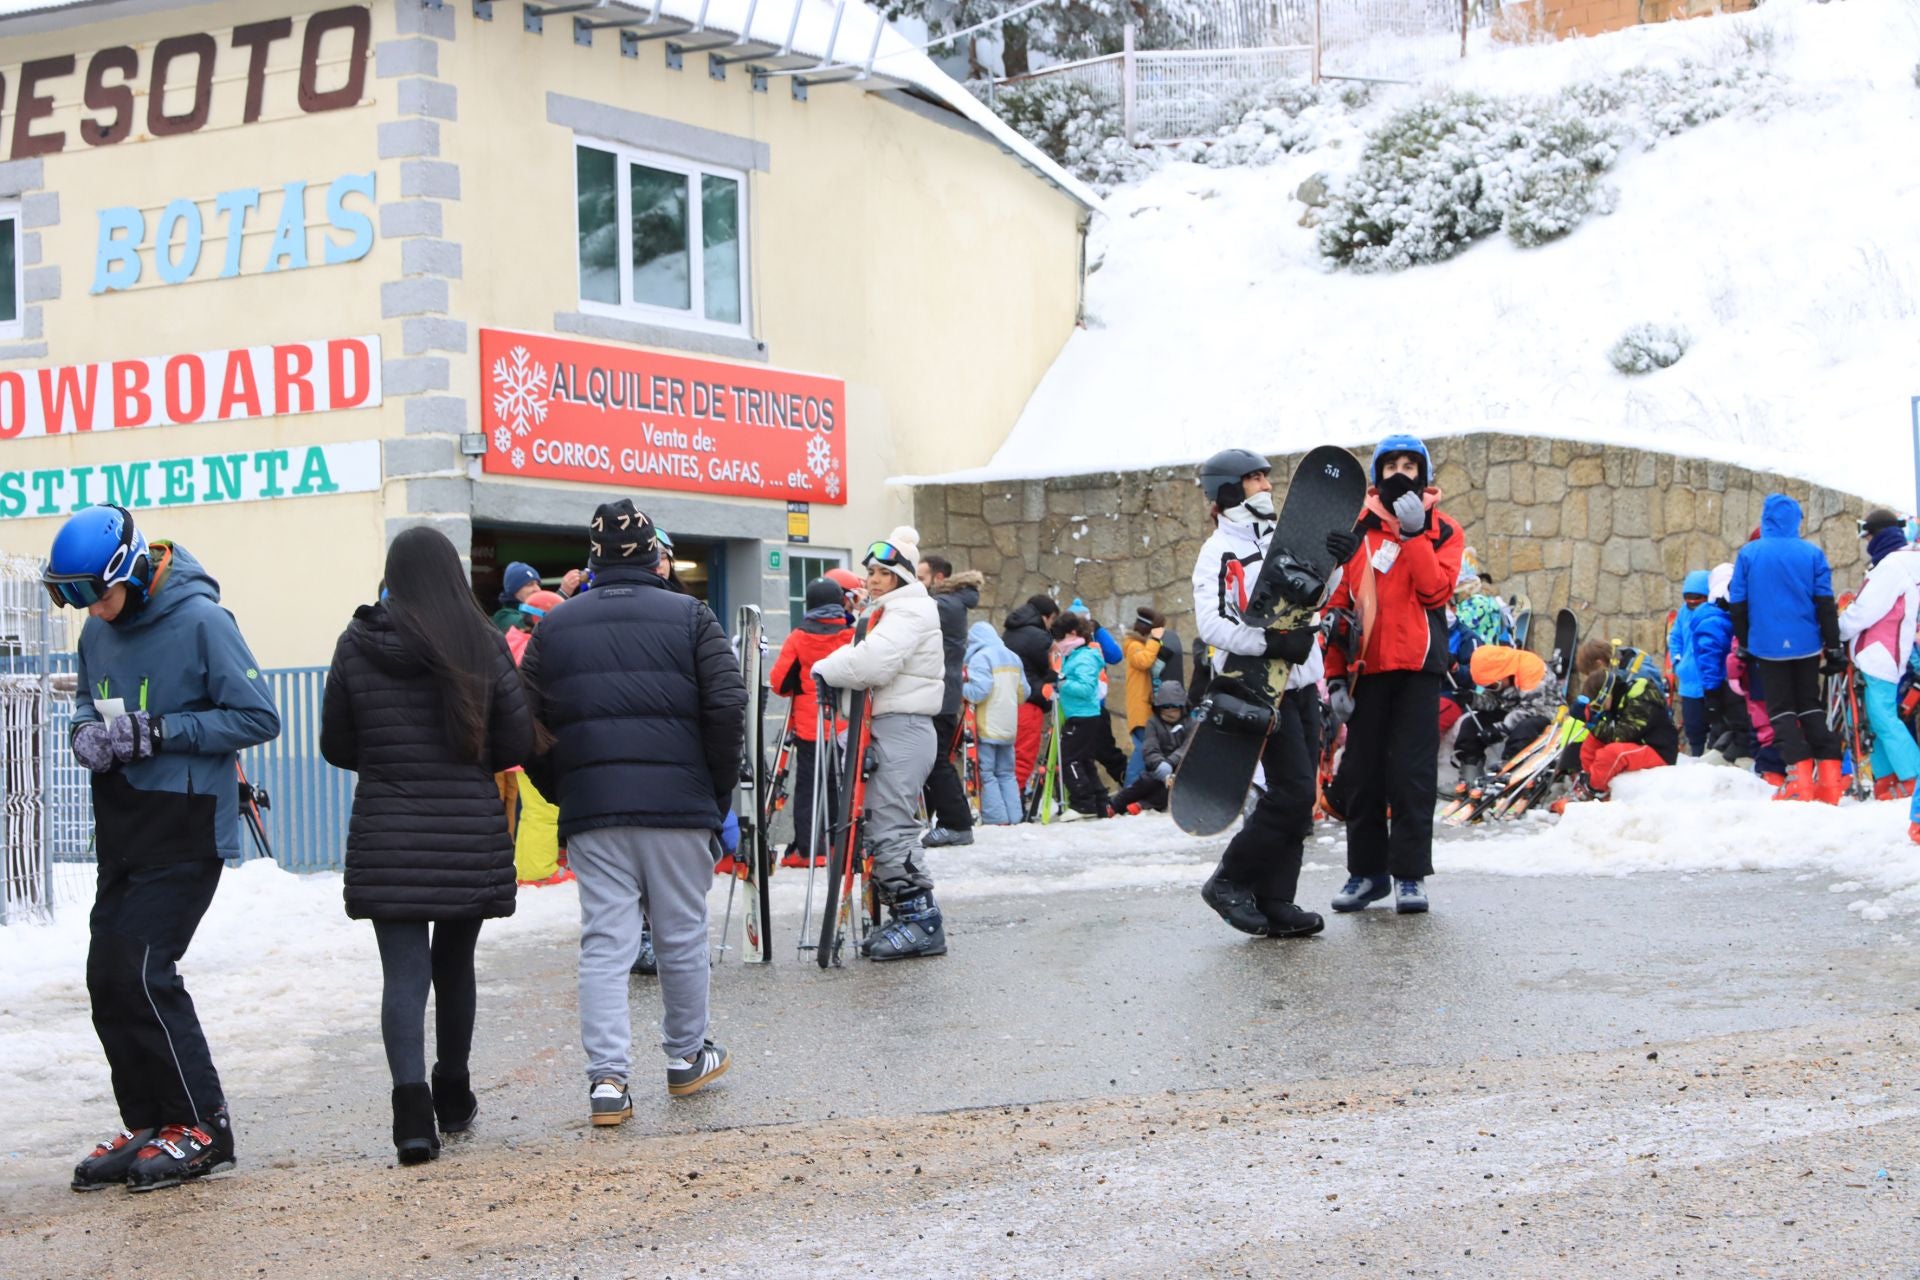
563, 410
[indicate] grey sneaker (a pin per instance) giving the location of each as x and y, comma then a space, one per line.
611, 1102
943, 837
690, 1075
1409, 897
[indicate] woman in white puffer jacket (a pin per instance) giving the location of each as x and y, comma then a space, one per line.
901, 663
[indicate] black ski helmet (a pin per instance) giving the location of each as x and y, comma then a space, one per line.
1220, 475
823, 592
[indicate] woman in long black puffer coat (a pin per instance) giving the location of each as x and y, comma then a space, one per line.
425, 704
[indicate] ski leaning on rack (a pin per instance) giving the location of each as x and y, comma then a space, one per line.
1531, 770
753, 862
847, 857
1236, 716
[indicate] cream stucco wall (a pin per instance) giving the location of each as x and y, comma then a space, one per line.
932, 272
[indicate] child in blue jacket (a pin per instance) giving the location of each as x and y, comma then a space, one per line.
1693, 703
1083, 712
1709, 641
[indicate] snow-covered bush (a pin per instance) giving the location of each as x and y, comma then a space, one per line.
1279, 120
1456, 167
1646, 347
1077, 125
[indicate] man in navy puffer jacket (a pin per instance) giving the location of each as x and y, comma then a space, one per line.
1781, 599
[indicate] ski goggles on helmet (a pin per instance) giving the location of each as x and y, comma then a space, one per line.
75, 593
888, 554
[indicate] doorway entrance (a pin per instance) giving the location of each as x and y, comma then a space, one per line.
699, 563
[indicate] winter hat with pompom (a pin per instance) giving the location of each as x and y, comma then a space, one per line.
900, 553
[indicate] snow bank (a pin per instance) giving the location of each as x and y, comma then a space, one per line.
1781, 244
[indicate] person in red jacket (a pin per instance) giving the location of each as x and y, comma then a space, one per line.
1398, 581
821, 631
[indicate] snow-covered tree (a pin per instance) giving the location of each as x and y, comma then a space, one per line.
1063, 31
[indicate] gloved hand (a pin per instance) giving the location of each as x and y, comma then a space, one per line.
1339, 701
1290, 646
92, 747
1411, 512
824, 691
1162, 771
1836, 662
1341, 544
135, 736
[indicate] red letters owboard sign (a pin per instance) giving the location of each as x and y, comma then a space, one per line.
199, 386
563, 410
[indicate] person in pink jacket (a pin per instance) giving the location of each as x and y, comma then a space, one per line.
1878, 628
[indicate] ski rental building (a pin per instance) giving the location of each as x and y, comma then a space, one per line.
285, 280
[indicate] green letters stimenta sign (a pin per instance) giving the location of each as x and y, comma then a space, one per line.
241, 475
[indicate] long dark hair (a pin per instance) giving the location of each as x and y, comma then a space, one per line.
439, 621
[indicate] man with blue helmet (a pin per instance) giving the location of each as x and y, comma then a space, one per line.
168, 695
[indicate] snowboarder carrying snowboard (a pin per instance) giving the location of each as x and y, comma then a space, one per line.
1254, 885
1399, 580
168, 694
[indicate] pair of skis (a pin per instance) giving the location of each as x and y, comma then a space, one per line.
1529, 774
752, 862
849, 867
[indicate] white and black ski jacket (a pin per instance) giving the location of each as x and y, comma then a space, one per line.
1228, 566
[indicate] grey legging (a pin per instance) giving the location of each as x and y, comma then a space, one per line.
410, 965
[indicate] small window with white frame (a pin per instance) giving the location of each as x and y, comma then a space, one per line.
10, 254
660, 239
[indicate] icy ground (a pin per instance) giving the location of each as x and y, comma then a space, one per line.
1782, 242
276, 961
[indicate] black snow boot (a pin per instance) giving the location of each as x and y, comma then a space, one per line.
915, 930
1235, 905
108, 1164
182, 1152
453, 1102
1287, 920
414, 1138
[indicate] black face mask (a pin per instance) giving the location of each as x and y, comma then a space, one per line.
1396, 486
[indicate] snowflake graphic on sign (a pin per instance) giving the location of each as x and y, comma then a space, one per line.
519, 459
520, 393
819, 456
502, 438
833, 484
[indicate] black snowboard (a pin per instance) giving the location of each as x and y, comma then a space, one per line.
1566, 638
1237, 715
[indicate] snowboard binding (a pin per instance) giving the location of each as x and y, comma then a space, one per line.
1233, 707
1288, 582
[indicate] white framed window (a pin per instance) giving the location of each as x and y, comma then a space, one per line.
660, 239
11, 305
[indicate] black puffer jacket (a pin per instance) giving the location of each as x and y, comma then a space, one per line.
1026, 635
428, 840
644, 699
953, 598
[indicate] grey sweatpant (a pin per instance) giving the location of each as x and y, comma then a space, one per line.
903, 749
622, 870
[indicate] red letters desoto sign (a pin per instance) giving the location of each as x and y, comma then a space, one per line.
562, 410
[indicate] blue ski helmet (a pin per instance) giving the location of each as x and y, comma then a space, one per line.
1402, 444
97, 548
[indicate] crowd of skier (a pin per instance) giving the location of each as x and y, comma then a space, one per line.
595, 733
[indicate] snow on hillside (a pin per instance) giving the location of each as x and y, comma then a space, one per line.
1784, 243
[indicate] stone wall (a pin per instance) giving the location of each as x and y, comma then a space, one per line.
1604, 530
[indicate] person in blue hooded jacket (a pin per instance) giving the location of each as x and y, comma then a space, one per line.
168, 695
1781, 598
1693, 701
1709, 641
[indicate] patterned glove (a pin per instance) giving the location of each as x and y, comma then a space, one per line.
135, 736
92, 748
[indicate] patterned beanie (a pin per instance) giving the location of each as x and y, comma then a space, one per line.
621, 535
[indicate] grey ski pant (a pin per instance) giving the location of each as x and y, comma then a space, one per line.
903, 750
621, 872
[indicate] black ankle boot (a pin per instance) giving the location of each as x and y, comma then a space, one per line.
453, 1100
414, 1139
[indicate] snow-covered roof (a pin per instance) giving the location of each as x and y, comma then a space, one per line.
828, 31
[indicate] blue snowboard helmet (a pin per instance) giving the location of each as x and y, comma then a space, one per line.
97, 548
1402, 444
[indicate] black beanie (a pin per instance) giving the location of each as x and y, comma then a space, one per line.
620, 535
824, 593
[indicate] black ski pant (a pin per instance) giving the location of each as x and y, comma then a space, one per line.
1729, 731
144, 917
1149, 793
1109, 754
1392, 761
1693, 718
800, 787
946, 795
1264, 855
412, 961
1079, 762
1792, 693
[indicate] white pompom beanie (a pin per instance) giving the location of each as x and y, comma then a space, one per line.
906, 540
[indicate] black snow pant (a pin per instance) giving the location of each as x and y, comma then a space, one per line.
1392, 760
1149, 793
1079, 762
412, 961
1729, 731
946, 795
1792, 693
1109, 754
1264, 855
1693, 718
144, 917
800, 787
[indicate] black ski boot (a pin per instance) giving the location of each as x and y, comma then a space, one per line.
1234, 905
915, 930
414, 1138
181, 1152
1288, 920
453, 1102
108, 1164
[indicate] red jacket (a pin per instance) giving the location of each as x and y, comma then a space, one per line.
1403, 609
792, 673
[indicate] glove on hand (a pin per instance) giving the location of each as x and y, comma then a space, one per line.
135, 736
1836, 662
1339, 701
92, 747
1412, 513
1341, 544
1162, 771
1290, 646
